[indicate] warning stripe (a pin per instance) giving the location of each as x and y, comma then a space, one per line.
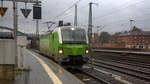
50, 73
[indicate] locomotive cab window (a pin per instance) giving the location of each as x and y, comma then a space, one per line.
73, 36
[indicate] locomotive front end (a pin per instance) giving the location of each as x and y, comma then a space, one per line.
74, 48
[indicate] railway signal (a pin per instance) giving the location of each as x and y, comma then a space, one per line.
3, 11
25, 12
37, 15
37, 11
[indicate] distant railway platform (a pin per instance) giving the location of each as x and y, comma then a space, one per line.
42, 71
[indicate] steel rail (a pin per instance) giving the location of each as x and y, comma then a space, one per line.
94, 77
123, 70
127, 63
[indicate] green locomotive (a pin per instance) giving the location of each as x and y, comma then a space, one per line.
66, 45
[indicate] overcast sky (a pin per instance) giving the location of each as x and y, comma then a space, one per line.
111, 15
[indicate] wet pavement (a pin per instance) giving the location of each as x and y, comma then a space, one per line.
43, 71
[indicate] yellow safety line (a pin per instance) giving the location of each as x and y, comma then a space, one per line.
50, 73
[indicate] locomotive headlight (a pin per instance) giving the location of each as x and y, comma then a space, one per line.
72, 29
86, 51
60, 50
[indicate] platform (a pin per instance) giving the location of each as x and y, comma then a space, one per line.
43, 71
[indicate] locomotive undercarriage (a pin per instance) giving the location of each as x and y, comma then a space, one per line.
74, 61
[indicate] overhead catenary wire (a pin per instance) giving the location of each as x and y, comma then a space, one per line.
115, 11
120, 7
59, 15
138, 19
125, 24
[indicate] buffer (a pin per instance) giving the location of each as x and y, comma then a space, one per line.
3, 10
25, 12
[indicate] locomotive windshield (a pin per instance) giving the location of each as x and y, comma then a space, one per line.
73, 36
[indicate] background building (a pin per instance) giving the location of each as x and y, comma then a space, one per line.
136, 38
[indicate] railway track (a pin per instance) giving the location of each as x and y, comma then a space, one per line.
132, 58
121, 52
103, 77
102, 81
123, 69
141, 65
124, 60
86, 76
